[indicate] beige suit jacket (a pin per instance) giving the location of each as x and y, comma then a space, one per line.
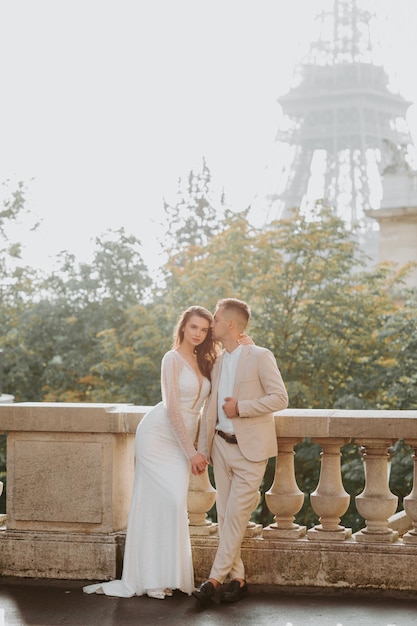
260, 392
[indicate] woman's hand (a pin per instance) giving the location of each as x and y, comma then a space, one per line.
245, 340
198, 464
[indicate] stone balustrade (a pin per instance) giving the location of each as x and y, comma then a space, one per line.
69, 480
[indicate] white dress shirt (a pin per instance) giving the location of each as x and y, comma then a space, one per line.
226, 384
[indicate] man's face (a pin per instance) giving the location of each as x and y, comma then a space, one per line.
220, 325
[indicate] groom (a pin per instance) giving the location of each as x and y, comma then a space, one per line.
237, 436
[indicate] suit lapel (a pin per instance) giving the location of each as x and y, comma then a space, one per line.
241, 366
216, 374
212, 407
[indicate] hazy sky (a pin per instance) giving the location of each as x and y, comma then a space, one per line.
106, 103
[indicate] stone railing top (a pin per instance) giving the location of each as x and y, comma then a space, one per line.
70, 417
355, 424
124, 418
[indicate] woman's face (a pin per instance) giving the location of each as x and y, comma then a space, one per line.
196, 330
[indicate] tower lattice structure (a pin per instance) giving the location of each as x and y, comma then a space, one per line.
342, 121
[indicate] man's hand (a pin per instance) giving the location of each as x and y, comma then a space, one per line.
198, 464
230, 407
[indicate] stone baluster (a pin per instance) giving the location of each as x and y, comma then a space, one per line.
376, 503
284, 499
410, 501
330, 500
201, 497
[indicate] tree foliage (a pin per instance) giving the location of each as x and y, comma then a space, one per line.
343, 333
196, 216
52, 344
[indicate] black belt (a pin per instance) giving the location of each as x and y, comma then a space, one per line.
227, 437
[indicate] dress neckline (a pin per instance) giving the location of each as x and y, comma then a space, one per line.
199, 375
196, 371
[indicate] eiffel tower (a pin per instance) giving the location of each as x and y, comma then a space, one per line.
342, 123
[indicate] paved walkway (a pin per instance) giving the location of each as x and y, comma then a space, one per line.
38, 602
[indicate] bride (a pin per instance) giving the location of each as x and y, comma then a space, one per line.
157, 557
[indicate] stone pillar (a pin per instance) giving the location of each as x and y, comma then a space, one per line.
69, 482
376, 503
201, 498
397, 219
330, 501
285, 499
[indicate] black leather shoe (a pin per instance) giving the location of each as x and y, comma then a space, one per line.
205, 592
235, 591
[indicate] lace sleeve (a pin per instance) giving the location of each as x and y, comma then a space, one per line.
170, 372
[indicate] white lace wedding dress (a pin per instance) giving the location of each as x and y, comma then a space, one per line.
158, 549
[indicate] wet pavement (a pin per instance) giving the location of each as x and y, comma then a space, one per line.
41, 602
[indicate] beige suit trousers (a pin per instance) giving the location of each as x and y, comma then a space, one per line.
237, 484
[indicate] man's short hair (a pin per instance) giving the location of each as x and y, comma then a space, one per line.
237, 306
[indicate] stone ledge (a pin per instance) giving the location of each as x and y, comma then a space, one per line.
70, 417
353, 424
300, 564
63, 556
304, 564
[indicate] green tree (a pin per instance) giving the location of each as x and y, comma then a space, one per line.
116, 278
19, 284
14, 277
53, 342
398, 385
195, 217
319, 311
128, 362
222, 267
